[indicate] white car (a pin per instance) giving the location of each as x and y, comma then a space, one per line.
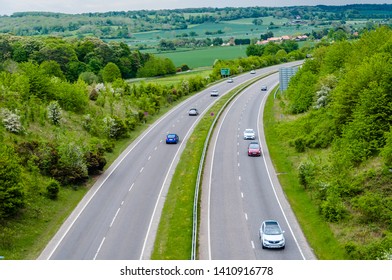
230, 80
193, 112
253, 72
271, 235
214, 92
264, 88
249, 134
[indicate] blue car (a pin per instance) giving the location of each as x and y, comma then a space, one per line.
172, 138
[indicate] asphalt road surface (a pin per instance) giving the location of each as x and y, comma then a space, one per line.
240, 191
118, 217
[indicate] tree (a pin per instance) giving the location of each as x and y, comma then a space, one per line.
52, 68
110, 72
11, 186
254, 50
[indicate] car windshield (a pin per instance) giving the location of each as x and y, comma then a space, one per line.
249, 131
253, 146
171, 136
272, 229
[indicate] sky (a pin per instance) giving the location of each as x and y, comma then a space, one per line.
7, 7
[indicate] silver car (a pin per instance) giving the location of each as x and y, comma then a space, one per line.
249, 134
193, 112
271, 235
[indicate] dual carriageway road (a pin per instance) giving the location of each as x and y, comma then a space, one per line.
119, 216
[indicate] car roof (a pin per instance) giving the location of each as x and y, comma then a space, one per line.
171, 134
249, 129
271, 222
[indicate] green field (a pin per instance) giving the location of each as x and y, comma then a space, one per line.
240, 29
204, 57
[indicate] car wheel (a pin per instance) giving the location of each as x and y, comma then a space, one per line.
262, 246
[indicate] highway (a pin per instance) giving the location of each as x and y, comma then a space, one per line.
119, 216
239, 191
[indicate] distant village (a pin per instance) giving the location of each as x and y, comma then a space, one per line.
297, 21
282, 38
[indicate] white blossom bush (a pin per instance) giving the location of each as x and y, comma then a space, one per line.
11, 121
110, 127
322, 97
54, 112
114, 127
185, 86
100, 87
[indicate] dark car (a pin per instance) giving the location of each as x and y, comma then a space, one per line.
254, 149
193, 112
172, 138
214, 92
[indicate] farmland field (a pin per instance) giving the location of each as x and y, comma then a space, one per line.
239, 29
204, 56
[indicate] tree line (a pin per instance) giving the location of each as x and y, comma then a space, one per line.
122, 24
72, 58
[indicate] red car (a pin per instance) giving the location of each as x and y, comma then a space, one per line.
254, 149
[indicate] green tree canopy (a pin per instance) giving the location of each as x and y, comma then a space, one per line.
11, 188
110, 72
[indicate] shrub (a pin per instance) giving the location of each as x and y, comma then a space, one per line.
333, 208
52, 189
11, 121
95, 162
11, 186
54, 112
306, 171
71, 167
374, 207
93, 94
299, 144
110, 127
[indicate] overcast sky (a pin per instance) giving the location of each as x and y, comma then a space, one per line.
7, 7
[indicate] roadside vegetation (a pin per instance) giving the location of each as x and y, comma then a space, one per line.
330, 137
68, 107
66, 113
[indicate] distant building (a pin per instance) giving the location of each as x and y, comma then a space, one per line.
282, 38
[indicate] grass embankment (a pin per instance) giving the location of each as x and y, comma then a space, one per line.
286, 160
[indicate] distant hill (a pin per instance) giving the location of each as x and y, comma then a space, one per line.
122, 25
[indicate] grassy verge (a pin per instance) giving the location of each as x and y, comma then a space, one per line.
286, 160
